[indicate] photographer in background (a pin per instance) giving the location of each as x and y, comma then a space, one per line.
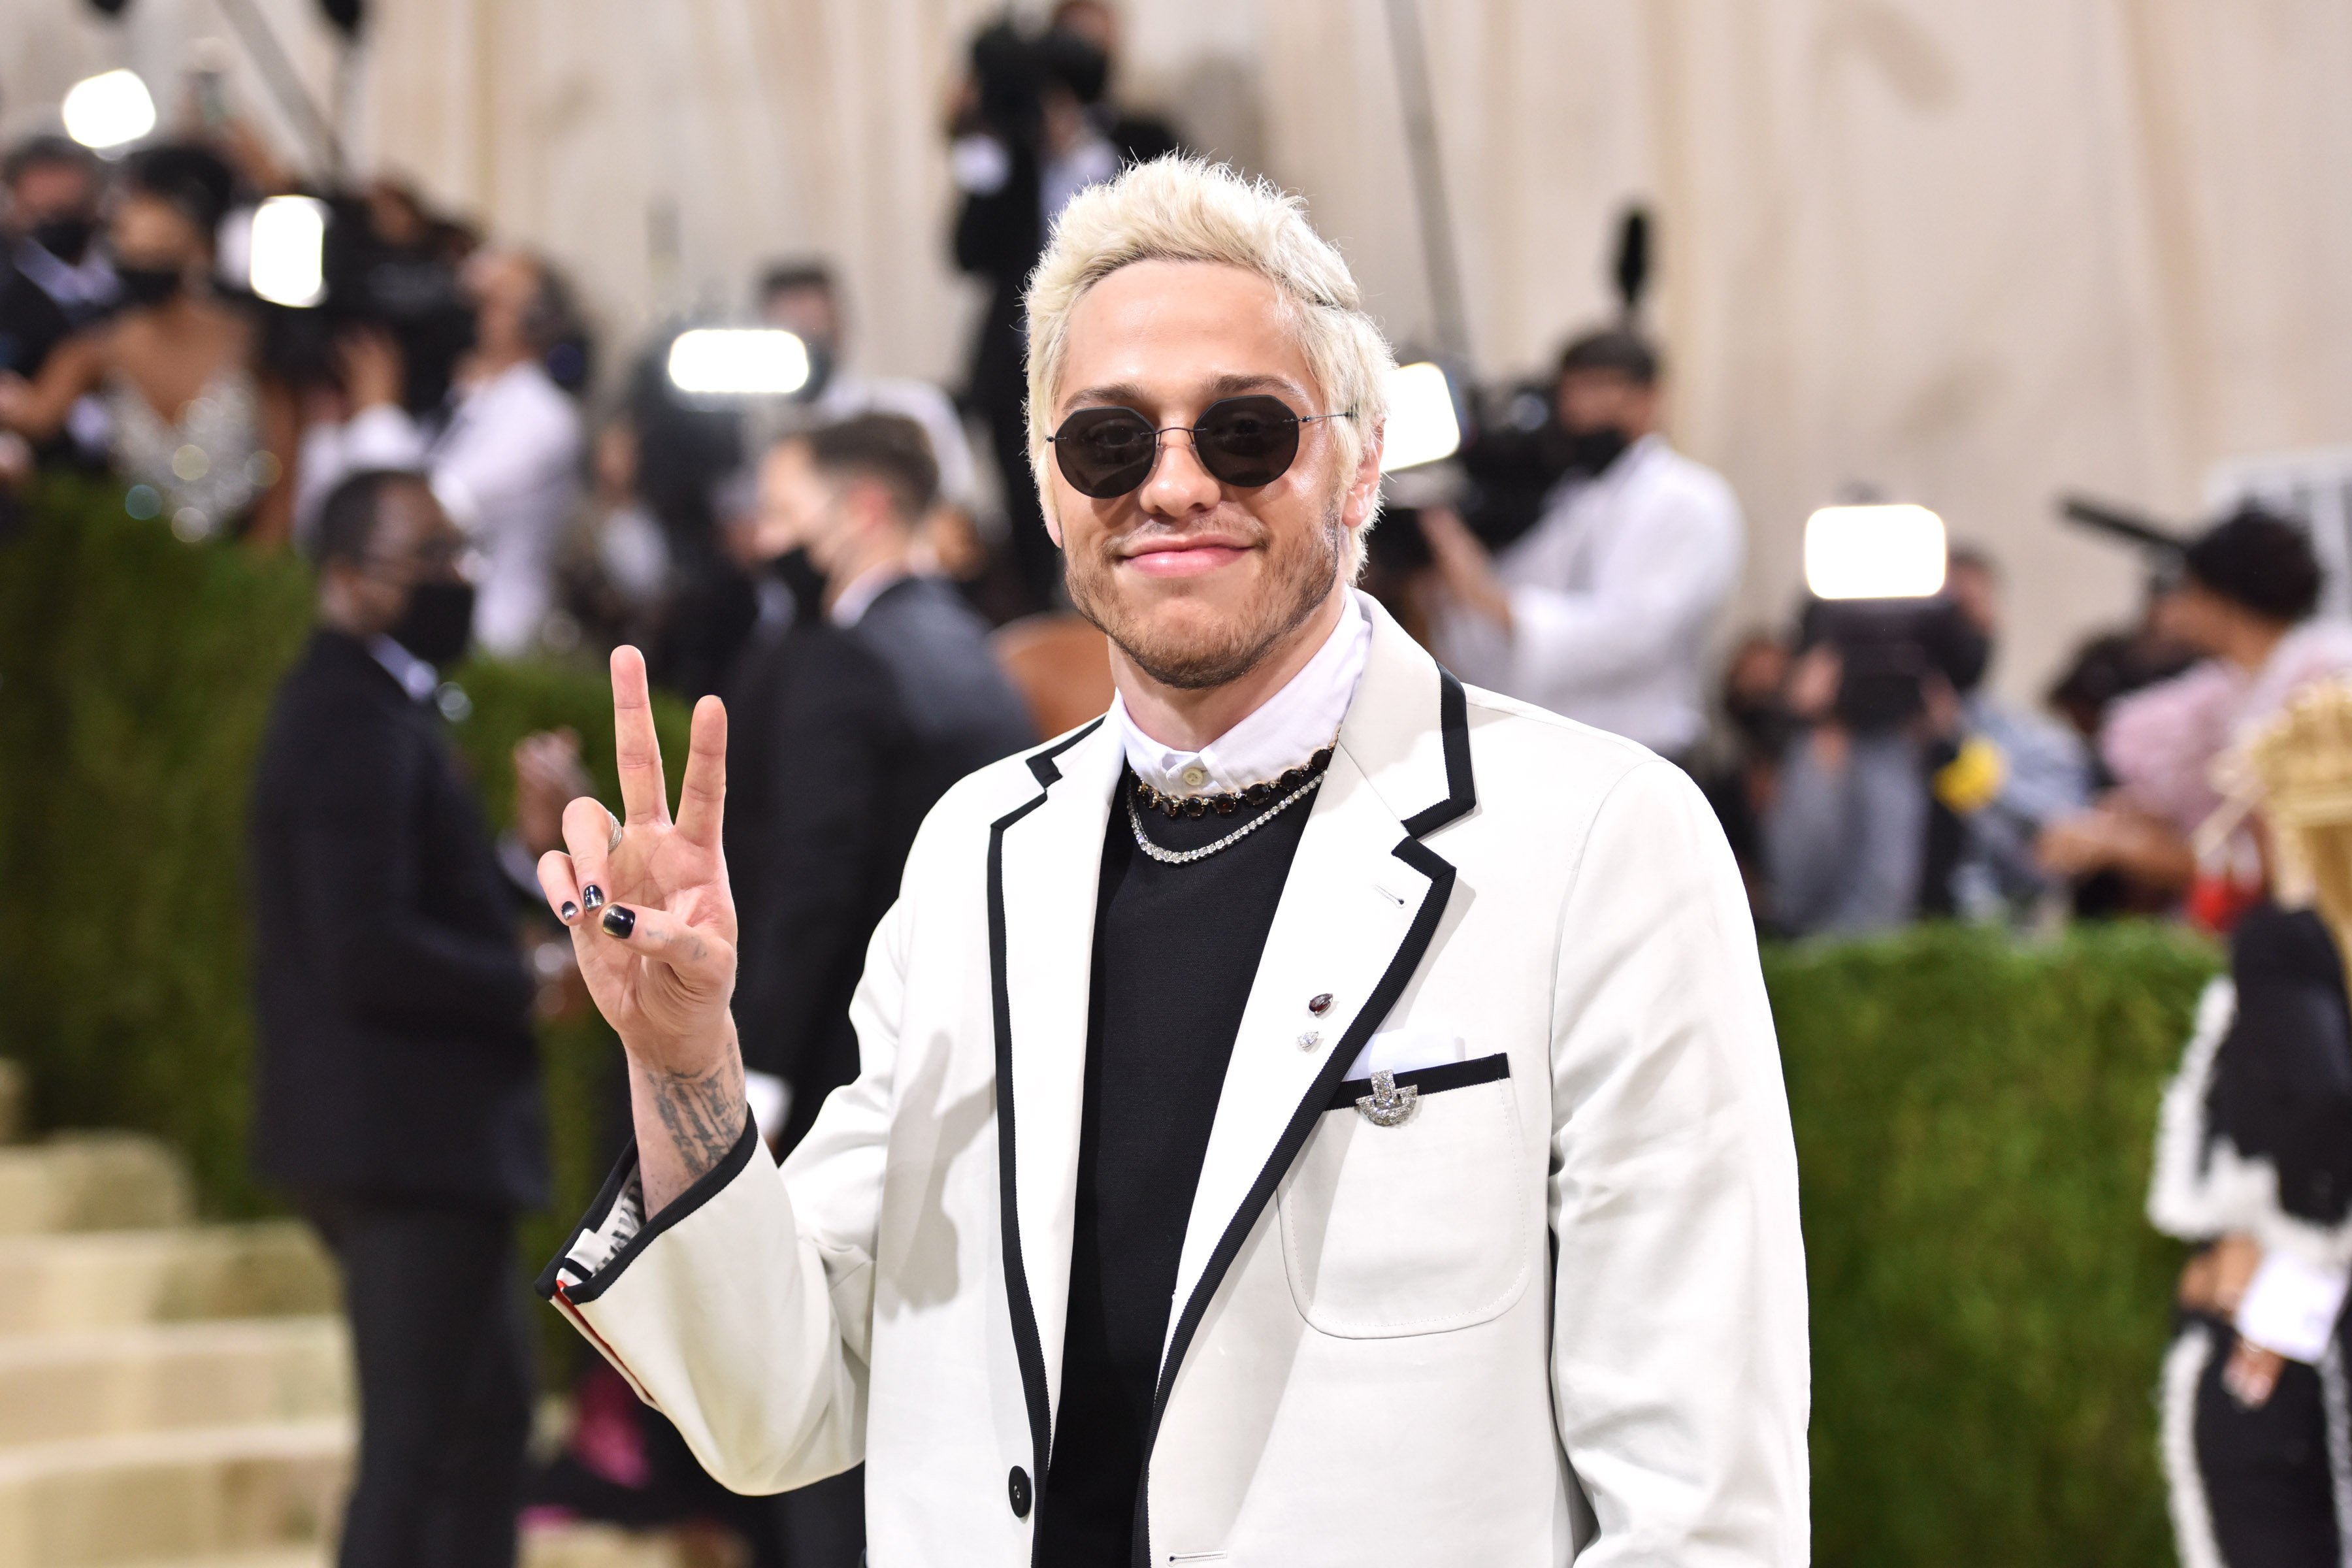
2243, 600
1602, 611
1030, 126
55, 277
504, 454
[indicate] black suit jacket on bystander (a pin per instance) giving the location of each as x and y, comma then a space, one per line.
396, 1057
843, 738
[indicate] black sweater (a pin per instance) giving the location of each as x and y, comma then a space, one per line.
1176, 951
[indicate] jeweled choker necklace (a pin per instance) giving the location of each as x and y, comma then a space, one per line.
1225, 802
1293, 786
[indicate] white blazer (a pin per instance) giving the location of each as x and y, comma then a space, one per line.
1558, 1311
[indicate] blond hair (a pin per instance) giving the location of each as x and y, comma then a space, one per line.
1179, 208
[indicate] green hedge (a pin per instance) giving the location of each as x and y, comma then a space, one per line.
135, 676
1973, 1121
1972, 1117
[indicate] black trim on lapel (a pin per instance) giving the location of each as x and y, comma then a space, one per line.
1026, 1346
1461, 795
1454, 726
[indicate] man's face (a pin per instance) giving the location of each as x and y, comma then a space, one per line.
808, 314
1607, 399
502, 285
46, 191
1977, 596
1196, 581
796, 505
413, 541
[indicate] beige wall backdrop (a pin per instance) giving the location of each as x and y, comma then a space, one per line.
1968, 254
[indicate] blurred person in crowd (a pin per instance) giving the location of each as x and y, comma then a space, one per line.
1907, 790
505, 453
1602, 611
2002, 772
1744, 777
397, 1096
2243, 601
2253, 1168
55, 277
849, 724
203, 437
680, 460
1031, 125
801, 298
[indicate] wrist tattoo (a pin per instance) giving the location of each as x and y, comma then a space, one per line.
703, 1114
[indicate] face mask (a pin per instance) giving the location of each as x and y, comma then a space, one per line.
1592, 451
821, 367
64, 237
438, 623
798, 572
1967, 653
147, 286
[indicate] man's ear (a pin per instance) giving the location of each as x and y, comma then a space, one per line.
1364, 484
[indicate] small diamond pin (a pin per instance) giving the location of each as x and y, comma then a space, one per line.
1310, 1039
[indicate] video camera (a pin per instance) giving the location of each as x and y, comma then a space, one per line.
321, 260
1876, 575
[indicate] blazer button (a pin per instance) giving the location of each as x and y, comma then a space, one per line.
1016, 1486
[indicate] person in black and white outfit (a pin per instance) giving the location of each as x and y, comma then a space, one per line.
2254, 1165
1315, 1114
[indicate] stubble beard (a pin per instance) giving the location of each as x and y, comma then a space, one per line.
1300, 580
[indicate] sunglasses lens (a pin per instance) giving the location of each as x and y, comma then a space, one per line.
1105, 452
1248, 441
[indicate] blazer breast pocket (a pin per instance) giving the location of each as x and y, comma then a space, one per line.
1410, 1214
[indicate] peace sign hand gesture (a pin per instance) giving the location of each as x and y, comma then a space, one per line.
653, 927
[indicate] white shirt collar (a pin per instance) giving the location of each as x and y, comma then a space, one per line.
869, 586
1283, 732
417, 677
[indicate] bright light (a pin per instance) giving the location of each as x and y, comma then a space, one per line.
741, 362
1422, 427
289, 251
109, 110
1874, 552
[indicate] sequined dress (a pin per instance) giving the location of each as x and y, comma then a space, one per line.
204, 468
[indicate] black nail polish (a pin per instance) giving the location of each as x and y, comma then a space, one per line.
619, 921
592, 897
569, 912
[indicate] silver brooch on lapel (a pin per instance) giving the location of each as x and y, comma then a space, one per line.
1387, 1105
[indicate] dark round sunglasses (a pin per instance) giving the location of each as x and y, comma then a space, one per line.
1245, 442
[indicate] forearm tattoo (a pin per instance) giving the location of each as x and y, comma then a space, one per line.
703, 1114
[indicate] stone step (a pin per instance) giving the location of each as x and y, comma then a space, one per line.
557, 1546
91, 1180
101, 1501
172, 1376
113, 1279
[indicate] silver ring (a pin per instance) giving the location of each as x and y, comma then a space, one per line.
614, 842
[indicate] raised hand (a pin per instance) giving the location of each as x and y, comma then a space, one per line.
653, 925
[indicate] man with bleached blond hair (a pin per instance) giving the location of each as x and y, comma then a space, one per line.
1314, 1113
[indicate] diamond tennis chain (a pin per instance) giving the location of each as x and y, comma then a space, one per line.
1185, 856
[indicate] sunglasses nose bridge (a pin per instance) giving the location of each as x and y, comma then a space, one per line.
1164, 455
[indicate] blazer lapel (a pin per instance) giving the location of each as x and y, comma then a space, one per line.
1361, 905
1044, 868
